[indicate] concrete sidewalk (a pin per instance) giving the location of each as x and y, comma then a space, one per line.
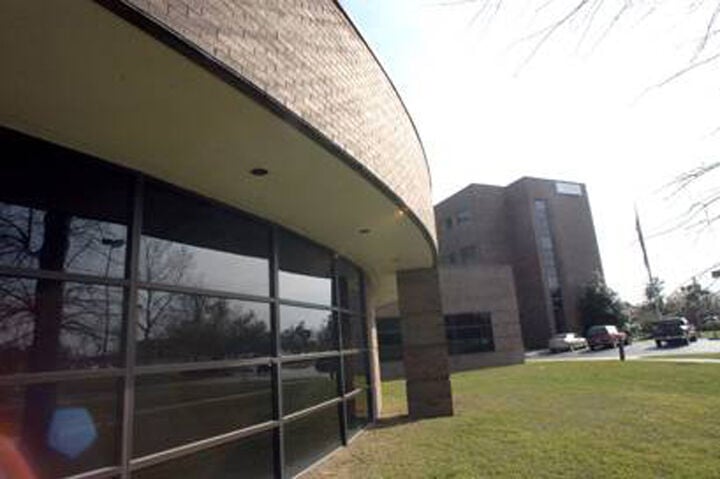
654, 359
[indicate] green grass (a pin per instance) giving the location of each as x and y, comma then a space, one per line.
580, 419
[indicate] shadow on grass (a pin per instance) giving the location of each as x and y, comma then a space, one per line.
392, 421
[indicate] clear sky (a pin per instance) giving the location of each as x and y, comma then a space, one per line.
583, 109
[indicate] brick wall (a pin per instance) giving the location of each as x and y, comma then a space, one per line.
306, 55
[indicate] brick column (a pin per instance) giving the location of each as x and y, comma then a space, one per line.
425, 355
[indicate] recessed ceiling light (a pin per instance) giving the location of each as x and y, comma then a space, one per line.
259, 172
364, 231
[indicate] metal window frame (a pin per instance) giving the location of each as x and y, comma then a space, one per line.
128, 369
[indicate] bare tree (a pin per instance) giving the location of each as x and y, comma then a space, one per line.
597, 18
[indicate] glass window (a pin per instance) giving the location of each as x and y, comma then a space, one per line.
305, 270
175, 327
357, 409
181, 407
310, 438
51, 240
355, 371
249, 457
49, 325
307, 383
349, 286
545, 246
304, 330
353, 332
469, 333
64, 428
188, 241
463, 217
61, 211
390, 342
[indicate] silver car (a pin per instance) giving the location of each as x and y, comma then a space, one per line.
566, 342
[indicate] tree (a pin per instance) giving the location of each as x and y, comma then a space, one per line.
599, 304
654, 294
693, 302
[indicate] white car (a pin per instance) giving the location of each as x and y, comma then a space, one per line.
566, 342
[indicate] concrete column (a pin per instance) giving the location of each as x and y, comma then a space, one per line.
425, 355
373, 351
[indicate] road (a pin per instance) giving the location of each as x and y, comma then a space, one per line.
637, 349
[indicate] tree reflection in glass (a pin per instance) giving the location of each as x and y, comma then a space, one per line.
48, 324
87, 333
181, 327
304, 330
89, 246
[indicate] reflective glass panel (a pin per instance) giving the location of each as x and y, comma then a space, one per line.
353, 332
349, 286
181, 407
250, 457
188, 241
61, 210
62, 429
307, 383
175, 327
305, 270
48, 325
304, 330
358, 412
310, 438
355, 371
33, 238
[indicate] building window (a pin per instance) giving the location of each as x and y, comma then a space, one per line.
448, 223
469, 333
548, 262
466, 333
463, 217
104, 272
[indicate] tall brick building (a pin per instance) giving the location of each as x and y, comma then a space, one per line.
543, 230
202, 204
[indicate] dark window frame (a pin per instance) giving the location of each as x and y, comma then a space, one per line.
469, 333
128, 368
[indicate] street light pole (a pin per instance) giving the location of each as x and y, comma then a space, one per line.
111, 244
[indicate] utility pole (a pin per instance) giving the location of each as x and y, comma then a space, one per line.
651, 278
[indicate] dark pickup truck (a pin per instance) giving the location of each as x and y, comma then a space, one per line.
673, 330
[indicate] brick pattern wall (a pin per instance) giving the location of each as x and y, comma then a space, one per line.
306, 54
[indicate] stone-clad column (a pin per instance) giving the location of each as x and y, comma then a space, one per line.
425, 355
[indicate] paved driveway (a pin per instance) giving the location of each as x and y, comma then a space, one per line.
637, 349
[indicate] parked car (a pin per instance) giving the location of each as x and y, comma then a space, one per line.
674, 329
566, 342
606, 336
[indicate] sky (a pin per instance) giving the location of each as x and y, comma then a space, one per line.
585, 108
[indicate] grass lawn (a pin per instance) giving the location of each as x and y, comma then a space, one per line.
550, 420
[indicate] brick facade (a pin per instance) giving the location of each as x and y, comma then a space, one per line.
501, 226
308, 57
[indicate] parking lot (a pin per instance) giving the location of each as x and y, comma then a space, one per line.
635, 350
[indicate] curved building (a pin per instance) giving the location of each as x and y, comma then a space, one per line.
202, 203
